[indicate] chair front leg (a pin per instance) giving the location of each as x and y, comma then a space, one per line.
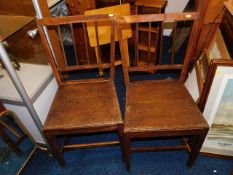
196, 145
51, 139
127, 150
9, 141
121, 139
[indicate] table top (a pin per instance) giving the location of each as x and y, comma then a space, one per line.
34, 79
12, 24
229, 5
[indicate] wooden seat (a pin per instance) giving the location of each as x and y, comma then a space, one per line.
162, 107
83, 104
79, 112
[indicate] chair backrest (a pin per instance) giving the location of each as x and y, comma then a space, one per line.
137, 57
73, 64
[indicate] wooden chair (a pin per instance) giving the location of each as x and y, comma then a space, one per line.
83, 106
150, 7
160, 108
5, 125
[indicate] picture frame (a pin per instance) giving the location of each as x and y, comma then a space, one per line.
220, 115
217, 48
202, 67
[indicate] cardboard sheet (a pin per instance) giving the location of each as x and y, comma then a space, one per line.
104, 29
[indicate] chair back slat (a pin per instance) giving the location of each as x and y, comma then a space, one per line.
98, 43
149, 44
161, 43
62, 44
74, 43
136, 45
173, 42
69, 50
86, 42
149, 55
112, 52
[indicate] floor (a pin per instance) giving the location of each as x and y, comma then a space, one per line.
11, 163
108, 160
103, 161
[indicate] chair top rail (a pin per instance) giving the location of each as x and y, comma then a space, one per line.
74, 19
166, 17
186, 16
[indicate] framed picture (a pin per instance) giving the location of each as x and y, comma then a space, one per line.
202, 68
220, 136
217, 48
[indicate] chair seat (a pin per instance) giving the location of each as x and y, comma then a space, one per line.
161, 107
81, 106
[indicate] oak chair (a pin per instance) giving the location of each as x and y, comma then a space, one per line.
7, 126
160, 107
83, 105
150, 7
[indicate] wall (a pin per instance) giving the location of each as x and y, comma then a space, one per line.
173, 6
41, 105
176, 5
